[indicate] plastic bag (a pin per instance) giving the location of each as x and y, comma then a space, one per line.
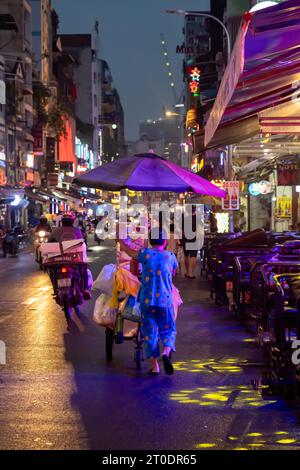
105, 280
131, 311
104, 315
88, 279
177, 300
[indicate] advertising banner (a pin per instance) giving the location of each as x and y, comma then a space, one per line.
283, 207
232, 200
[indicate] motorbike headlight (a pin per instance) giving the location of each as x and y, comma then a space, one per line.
42, 233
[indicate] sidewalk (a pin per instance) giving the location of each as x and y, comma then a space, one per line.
216, 363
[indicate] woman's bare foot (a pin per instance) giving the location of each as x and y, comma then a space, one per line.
155, 366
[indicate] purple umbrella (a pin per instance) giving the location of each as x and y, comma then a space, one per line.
146, 172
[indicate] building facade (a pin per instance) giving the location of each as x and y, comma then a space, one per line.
84, 48
111, 118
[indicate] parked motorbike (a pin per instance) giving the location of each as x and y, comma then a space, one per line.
40, 237
10, 243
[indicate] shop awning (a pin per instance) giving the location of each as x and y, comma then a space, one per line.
264, 71
9, 195
63, 196
35, 196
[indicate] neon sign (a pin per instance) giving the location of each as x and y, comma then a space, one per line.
194, 84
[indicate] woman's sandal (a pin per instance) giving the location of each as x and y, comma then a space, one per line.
168, 366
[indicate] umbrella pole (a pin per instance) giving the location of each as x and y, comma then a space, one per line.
146, 202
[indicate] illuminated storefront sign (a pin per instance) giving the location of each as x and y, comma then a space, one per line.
82, 168
29, 176
191, 118
2, 177
30, 160
83, 153
194, 80
262, 187
197, 164
66, 148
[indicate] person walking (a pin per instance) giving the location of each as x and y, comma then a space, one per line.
156, 299
190, 255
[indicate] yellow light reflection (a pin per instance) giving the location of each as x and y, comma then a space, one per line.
237, 396
205, 445
286, 441
211, 365
257, 440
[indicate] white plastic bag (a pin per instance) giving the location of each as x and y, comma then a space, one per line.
103, 314
105, 280
89, 279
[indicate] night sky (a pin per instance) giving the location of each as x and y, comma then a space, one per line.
130, 42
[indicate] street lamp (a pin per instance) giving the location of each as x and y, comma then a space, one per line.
206, 15
170, 114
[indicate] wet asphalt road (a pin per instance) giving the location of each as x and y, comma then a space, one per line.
58, 392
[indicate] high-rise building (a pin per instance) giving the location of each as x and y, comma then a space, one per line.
161, 136
84, 48
44, 84
111, 118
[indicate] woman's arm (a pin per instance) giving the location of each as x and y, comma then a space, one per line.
132, 253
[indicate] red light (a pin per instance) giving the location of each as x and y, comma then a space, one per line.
247, 16
64, 270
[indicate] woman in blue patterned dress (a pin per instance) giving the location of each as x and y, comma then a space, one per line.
156, 300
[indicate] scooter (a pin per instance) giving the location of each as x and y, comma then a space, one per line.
10, 243
71, 283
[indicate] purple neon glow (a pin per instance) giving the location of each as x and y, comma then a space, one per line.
271, 61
